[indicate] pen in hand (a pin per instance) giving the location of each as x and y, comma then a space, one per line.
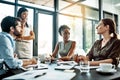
51, 56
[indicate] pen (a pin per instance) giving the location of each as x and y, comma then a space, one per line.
39, 75
51, 56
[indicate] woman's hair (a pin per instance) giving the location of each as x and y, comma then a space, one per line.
8, 22
112, 26
20, 11
62, 27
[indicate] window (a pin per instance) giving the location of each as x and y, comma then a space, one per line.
6, 10
76, 28
91, 14
10, 0
45, 33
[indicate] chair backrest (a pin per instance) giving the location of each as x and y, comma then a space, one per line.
1, 63
2, 70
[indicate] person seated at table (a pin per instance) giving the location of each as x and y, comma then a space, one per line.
11, 28
66, 47
105, 50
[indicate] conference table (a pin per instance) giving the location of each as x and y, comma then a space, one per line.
54, 72
94, 75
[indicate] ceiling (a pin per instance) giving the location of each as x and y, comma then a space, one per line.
63, 3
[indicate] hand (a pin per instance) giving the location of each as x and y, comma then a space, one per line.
79, 58
60, 60
75, 58
52, 58
18, 38
34, 61
82, 58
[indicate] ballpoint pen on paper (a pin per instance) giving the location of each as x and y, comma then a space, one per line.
39, 75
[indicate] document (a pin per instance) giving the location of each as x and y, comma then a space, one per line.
29, 75
37, 66
91, 67
63, 67
73, 63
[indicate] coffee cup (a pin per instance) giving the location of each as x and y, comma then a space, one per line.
106, 66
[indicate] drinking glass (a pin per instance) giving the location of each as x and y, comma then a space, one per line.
47, 60
84, 66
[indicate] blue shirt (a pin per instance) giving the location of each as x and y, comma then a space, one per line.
7, 47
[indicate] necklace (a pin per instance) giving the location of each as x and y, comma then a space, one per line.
104, 42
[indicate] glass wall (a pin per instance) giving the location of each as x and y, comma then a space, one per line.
91, 13
75, 24
10, 0
45, 33
88, 34
6, 10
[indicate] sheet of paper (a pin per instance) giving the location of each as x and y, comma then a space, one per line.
91, 67
73, 63
33, 65
94, 67
63, 67
50, 75
41, 66
37, 66
29, 75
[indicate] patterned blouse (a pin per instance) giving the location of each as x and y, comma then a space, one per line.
110, 51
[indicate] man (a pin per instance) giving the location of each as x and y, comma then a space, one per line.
11, 28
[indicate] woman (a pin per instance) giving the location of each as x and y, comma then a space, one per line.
23, 44
66, 47
105, 50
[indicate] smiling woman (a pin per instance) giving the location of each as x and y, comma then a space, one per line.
23, 42
66, 47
